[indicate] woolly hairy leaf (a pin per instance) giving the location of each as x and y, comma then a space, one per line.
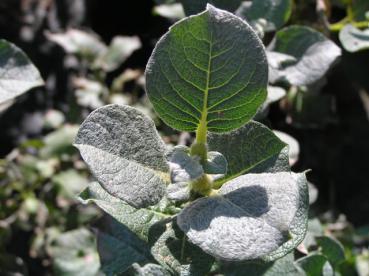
275, 12
195, 6
119, 248
138, 221
246, 147
148, 270
209, 69
17, 73
284, 266
314, 55
353, 39
171, 249
251, 218
125, 153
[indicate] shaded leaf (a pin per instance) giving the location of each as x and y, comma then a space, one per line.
138, 221
251, 218
275, 12
17, 73
125, 153
331, 249
246, 147
314, 55
171, 249
314, 264
284, 266
359, 9
119, 248
209, 69
353, 39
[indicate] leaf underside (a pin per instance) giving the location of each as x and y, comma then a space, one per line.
314, 54
209, 68
251, 219
17, 73
125, 153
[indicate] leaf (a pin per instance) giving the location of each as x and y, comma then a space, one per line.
70, 181
138, 221
293, 145
59, 142
209, 71
125, 153
331, 249
353, 39
149, 270
314, 265
275, 12
119, 248
195, 6
284, 266
17, 73
314, 55
172, 11
119, 50
245, 147
79, 42
171, 249
251, 218
359, 9
74, 253
277, 163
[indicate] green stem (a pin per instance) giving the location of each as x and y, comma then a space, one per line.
336, 27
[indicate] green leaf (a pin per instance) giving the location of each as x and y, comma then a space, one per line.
284, 266
59, 142
17, 73
313, 52
275, 12
125, 153
119, 248
138, 221
331, 249
208, 72
315, 265
359, 9
353, 39
171, 249
71, 182
245, 147
74, 253
251, 218
195, 6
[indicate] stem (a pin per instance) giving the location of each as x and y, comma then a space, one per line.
336, 27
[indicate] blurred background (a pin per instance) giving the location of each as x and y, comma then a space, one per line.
92, 53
